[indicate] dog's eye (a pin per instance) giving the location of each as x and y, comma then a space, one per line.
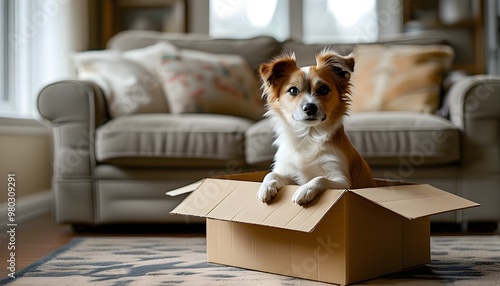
323, 90
293, 91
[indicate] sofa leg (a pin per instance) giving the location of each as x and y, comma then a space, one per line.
482, 227
81, 228
465, 227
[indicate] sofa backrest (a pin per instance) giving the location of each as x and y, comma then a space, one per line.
255, 51
260, 49
305, 53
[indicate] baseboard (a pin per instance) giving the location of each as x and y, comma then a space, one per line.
28, 208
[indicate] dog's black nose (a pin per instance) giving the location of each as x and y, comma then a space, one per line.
310, 109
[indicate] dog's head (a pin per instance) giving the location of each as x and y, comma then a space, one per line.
311, 95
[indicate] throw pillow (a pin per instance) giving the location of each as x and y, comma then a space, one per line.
150, 56
199, 82
128, 86
399, 78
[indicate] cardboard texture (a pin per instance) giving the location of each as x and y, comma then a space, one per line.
342, 237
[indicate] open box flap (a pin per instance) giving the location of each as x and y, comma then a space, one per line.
257, 176
186, 189
234, 199
237, 201
414, 201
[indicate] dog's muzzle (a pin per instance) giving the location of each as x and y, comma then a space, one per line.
309, 113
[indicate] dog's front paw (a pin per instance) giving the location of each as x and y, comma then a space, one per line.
267, 190
306, 193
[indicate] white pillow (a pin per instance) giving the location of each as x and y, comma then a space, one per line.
128, 86
150, 56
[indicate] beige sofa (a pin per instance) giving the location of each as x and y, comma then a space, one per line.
115, 171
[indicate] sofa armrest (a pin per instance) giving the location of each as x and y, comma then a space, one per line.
474, 104
74, 109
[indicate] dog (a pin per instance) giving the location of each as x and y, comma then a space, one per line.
306, 107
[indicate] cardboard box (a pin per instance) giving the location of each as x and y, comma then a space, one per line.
342, 237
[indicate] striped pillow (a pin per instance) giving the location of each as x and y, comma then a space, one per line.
399, 77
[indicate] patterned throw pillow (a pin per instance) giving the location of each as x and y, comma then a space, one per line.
128, 86
199, 82
399, 78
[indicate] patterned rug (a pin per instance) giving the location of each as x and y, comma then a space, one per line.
182, 261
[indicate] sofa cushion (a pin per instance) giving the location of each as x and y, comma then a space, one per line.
259, 148
129, 87
201, 82
383, 138
188, 140
399, 138
399, 77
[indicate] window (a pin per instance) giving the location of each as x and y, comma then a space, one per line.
340, 21
37, 40
15, 60
246, 19
312, 21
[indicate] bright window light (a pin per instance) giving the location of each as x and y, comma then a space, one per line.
260, 13
340, 21
349, 13
249, 18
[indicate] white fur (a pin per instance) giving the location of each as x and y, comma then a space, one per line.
303, 158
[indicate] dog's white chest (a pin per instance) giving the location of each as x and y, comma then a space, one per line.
305, 164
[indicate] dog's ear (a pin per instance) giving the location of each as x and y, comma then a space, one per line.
275, 72
342, 66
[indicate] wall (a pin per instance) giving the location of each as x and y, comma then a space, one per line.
198, 16
26, 149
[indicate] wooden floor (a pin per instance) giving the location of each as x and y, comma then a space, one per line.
39, 237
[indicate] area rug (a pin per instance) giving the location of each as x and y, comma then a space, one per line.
182, 261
